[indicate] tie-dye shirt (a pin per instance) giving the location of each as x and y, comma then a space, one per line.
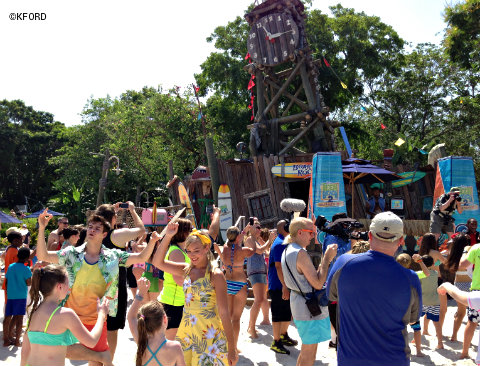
73, 258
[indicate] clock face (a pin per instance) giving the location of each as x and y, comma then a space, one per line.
272, 39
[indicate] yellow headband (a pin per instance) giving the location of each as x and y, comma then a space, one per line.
206, 241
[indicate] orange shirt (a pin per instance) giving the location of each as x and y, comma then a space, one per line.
10, 257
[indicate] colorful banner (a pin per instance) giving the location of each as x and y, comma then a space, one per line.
327, 192
457, 171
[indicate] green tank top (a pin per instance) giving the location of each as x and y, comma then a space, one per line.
172, 294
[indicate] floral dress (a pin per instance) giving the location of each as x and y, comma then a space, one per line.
201, 332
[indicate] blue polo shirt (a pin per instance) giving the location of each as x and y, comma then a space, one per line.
17, 275
376, 298
275, 256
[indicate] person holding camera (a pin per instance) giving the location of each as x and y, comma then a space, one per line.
441, 216
303, 279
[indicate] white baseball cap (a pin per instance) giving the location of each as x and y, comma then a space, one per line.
387, 226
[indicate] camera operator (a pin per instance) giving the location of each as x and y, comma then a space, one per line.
441, 216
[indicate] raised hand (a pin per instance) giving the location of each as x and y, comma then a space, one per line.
154, 237
44, 218
331, 252
143, 285
172, 229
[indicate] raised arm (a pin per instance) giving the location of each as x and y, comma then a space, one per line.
417, 258
316, 278
459, 207
145, 254
214, 228
42, 253
143, 286
121, 236
174, 268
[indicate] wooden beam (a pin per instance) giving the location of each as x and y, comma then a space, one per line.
260, 90
290, 104
284, 86
307, 87
293, 98
292, 132
299, 136
297, 151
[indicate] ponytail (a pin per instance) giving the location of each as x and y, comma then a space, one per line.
149, 319
142, 339
44, 281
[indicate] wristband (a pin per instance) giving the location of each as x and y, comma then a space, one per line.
138, 297
420, 260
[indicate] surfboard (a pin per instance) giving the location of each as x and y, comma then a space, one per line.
406, 179
293, 170
225, 205
185, 200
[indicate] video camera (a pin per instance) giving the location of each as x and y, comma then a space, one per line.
345, 228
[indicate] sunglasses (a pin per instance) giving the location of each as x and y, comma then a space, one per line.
308, 231
257, 227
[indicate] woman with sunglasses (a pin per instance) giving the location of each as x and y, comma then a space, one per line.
257, 275
301, 278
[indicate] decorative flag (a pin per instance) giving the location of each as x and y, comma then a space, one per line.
399, 142
197, 89
423, 152
247, 56
363, 108
251, 84
326, 62
383, 126
199, 116
343, 85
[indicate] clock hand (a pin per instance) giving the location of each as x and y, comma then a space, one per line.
276, 35
266, 31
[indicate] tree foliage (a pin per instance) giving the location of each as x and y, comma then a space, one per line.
29, 138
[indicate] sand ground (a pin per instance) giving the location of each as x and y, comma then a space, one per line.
257, 352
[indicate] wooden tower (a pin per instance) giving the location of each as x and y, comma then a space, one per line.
290, 108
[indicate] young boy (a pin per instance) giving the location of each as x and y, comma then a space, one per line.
430, 299
405, 261
18, 277
14, 237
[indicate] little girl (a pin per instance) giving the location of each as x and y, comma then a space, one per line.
205, 331
51, 327
148, 324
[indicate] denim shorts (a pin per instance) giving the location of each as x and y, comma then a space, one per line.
257, 278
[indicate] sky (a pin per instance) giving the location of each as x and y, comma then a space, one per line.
94, 48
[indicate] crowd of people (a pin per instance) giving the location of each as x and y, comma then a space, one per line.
189, 293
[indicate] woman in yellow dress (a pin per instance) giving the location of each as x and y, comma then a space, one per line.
206, 332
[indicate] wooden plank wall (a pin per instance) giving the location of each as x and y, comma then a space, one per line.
246, 177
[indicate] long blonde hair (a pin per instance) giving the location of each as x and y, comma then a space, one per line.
297, 224
206, 242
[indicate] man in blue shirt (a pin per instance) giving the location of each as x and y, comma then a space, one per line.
375, 203
376, 298
279, 294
